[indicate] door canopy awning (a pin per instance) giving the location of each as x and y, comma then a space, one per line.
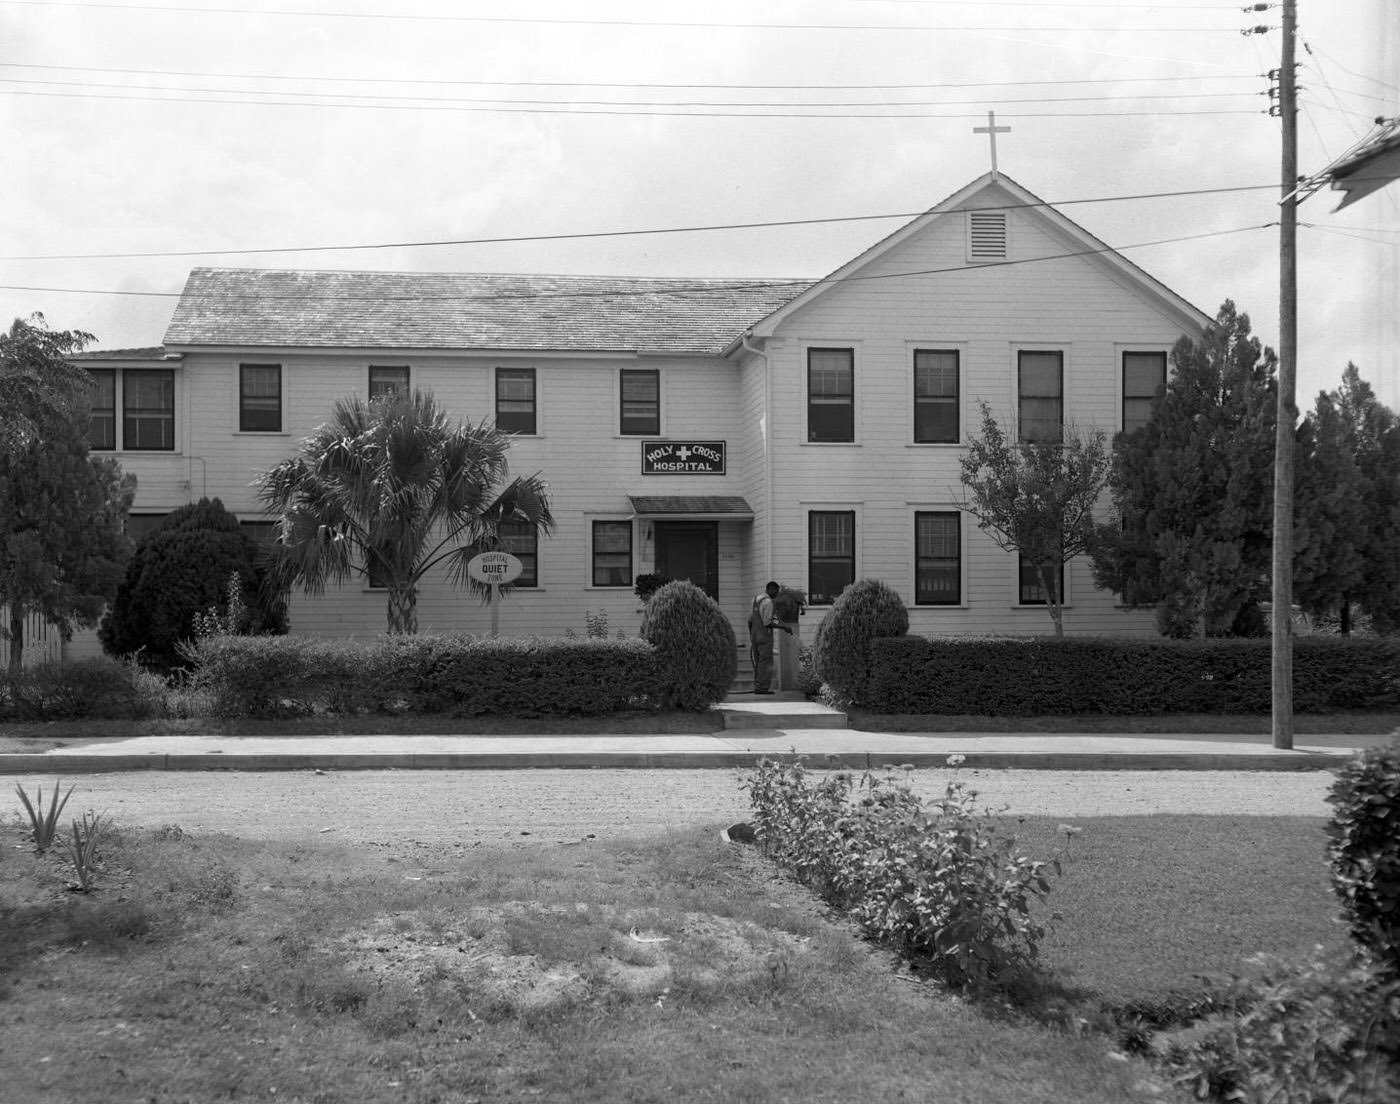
691, 507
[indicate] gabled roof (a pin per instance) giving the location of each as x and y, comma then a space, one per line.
993, 192
279, 308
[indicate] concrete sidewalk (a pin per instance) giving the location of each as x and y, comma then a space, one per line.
753, 727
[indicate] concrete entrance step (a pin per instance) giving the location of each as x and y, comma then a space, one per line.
784, 709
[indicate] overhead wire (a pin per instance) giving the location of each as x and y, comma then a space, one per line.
707, 288
517, 239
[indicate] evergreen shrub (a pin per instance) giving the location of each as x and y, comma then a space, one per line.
453, 675
1364, 851
1043, 676
102, 689
179, 571
866, 611
696, 650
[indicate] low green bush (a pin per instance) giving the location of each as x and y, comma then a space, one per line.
942, 884
866, 611
1043, 676
1364, 851
459, 676
696, 650
102, 689
1304, 1033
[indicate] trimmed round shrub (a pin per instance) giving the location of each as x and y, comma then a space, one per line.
180, 570
866, 611
696, 649
1364, 851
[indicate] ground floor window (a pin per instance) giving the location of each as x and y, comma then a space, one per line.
522, 540
937, 558
831, 554
1031, 589
612, 553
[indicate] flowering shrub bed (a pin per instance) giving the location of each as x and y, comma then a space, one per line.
942, 884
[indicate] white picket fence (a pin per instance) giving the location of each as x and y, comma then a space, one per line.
42, 642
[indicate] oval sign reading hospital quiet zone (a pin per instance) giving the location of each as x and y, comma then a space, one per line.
494, 567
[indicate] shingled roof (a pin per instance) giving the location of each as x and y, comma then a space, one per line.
438, 310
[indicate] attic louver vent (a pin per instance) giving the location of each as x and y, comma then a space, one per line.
986, 235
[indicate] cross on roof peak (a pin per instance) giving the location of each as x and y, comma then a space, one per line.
992, 130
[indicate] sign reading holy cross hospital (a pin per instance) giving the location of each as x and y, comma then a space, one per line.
683, 457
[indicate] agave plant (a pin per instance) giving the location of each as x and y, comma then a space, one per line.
44, 822
82, 848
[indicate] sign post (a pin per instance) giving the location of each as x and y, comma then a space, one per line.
495, 569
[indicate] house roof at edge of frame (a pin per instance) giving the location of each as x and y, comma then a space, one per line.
965, 199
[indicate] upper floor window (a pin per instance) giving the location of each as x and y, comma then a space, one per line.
831, 397
522, 540
387, 381
102, 421
937, 559
641, 401
831, 554
1040, 396
148, 409
515, 400
260, 398
1030, 586
936, 396
1143, 374
612, 554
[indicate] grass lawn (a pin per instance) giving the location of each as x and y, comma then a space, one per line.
675, 969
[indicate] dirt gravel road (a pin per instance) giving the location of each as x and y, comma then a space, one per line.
436, 808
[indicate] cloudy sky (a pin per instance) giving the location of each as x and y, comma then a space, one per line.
142, 139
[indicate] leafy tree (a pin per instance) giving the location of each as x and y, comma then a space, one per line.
62, 512
1373, 432
1193, 490
1037, 498
177, 573
1330, 530
37, 382
388, 490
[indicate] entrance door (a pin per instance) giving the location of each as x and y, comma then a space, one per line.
689, 550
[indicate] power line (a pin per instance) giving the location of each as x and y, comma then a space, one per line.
622, 84
540, 21
502, 102
585, 235
710, 287
686, 114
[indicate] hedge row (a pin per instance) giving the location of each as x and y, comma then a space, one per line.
459, 676
100, 689
1045, 677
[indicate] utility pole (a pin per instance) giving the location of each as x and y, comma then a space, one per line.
1282, 668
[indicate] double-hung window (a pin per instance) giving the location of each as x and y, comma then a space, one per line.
612, 554
260, 398
1031, 590
1143, 375
521, 540
936, 396
641, 402
831, 554
102, 419
148, 409
515, 400
388, 381
1040, 395
937, 558
831, 397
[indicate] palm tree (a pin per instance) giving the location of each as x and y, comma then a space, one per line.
390, 489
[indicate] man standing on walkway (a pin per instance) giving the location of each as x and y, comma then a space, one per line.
762, 622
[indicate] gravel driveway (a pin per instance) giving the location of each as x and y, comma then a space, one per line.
437, 808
